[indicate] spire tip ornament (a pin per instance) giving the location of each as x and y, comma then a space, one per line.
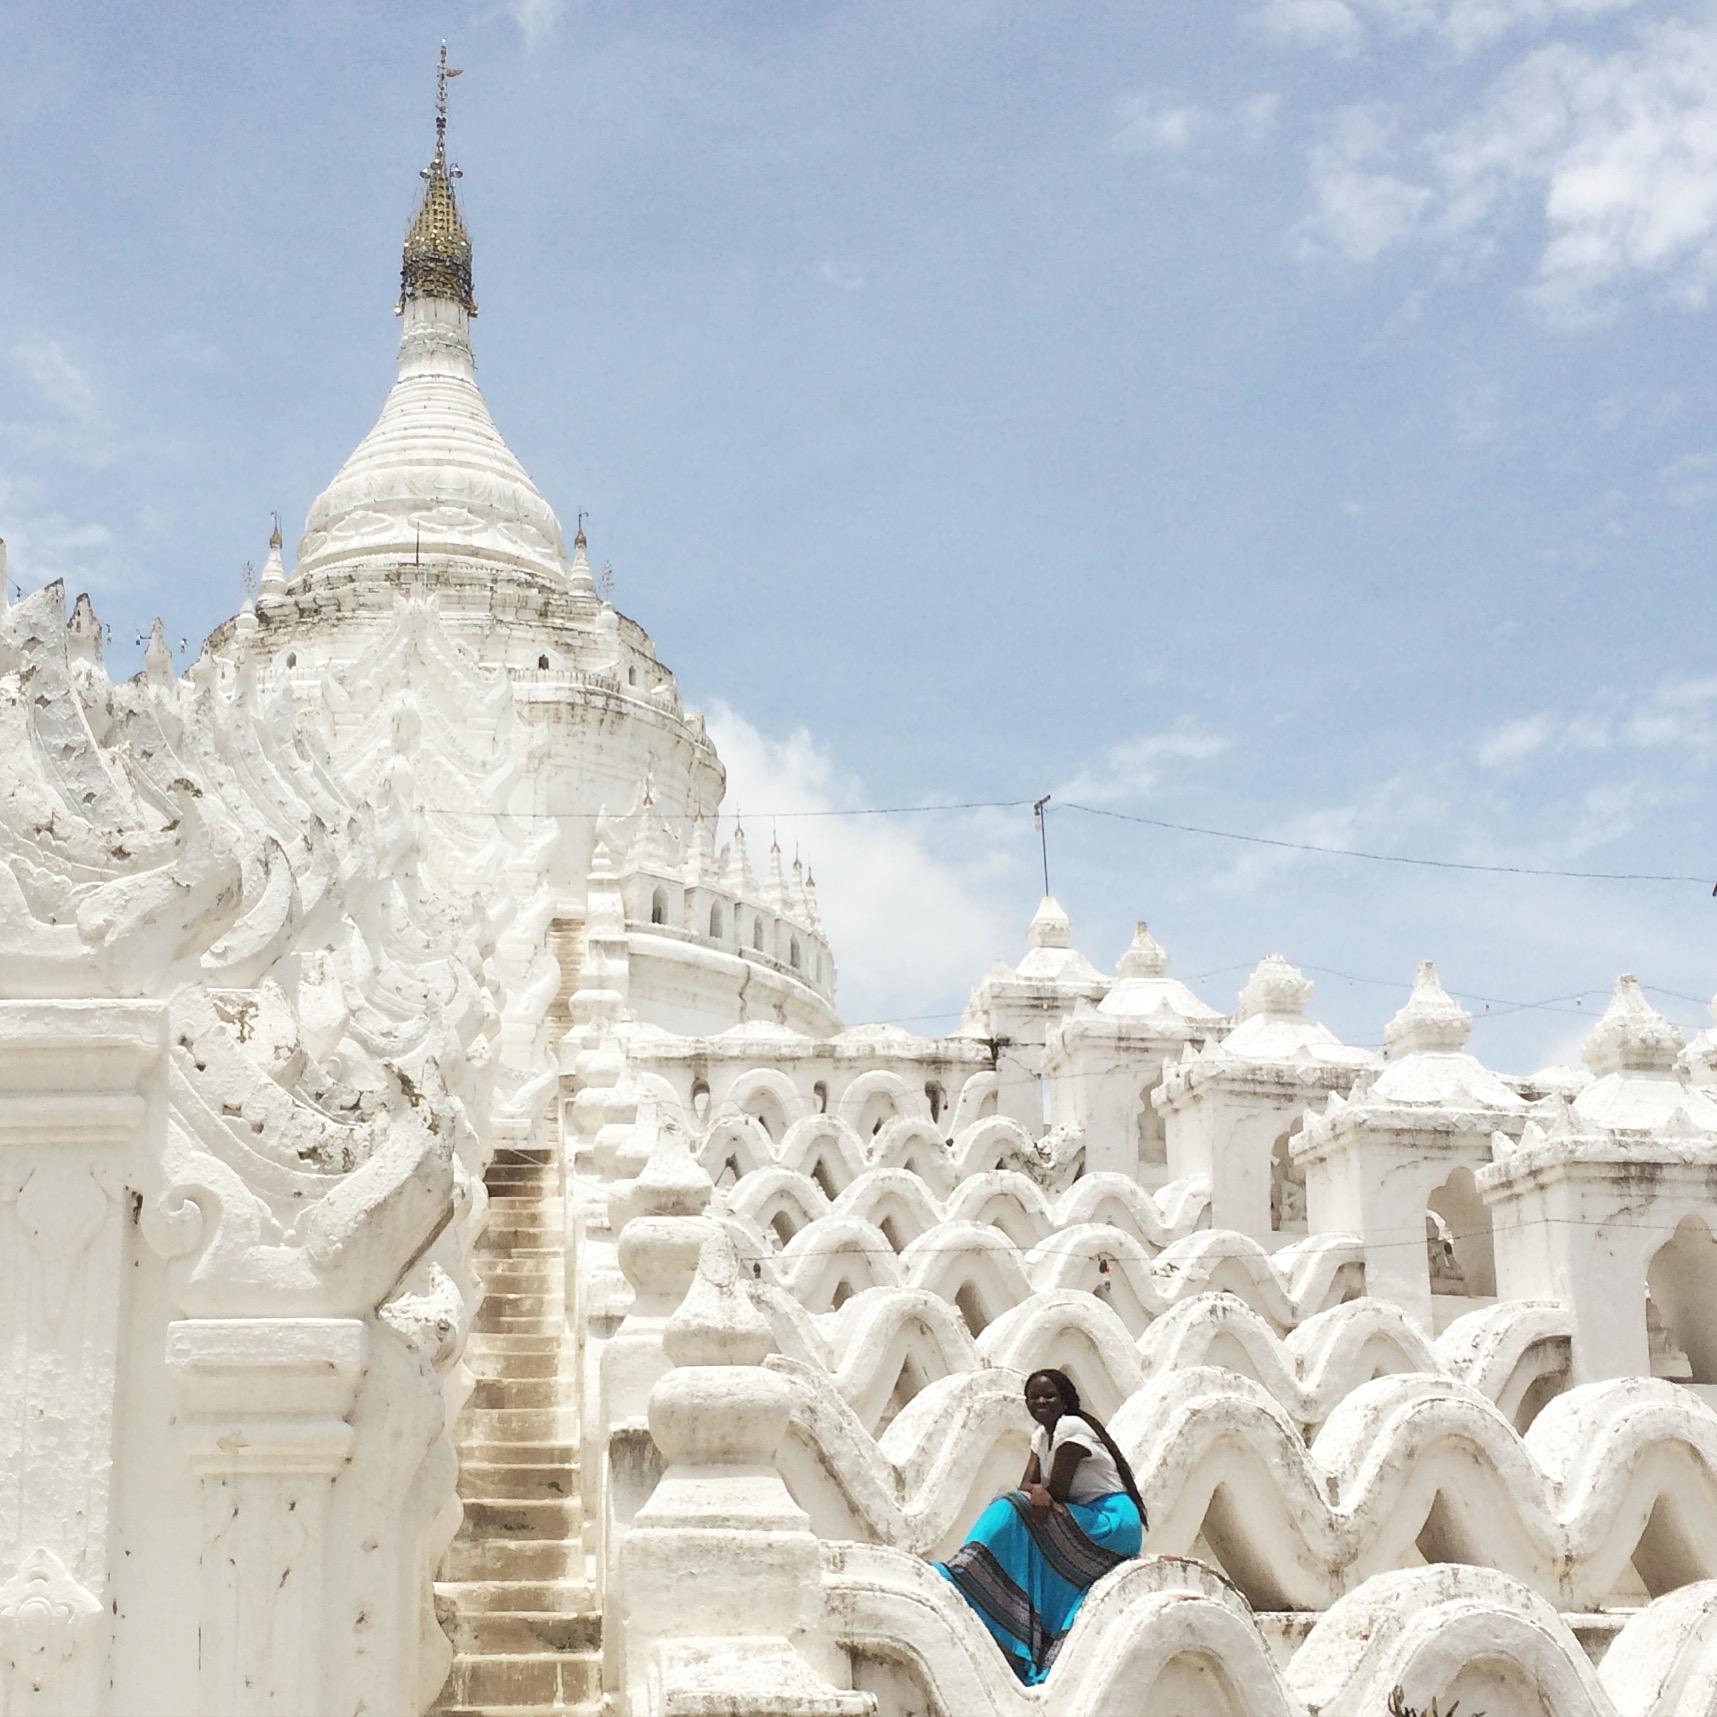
437, 258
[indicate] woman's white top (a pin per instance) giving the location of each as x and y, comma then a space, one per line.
1096, 1475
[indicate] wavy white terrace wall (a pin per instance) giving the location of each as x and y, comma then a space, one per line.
1518, 1634
1315, 1446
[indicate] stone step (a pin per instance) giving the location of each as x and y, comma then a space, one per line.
517, 1242
515, 1425
566, 1597
529, 1210
514, 1350
524, 1154
518, 1518
534, 1227
579, 1708
518, 1365
522, 1631
519, 1451
537, 1678
511, 1270
498, 1323
536, 1281
501, 1479
515, 1391
522, 1300
513, 1559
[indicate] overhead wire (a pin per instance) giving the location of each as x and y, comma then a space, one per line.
1384, 858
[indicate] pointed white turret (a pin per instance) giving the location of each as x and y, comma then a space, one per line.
272, 584
700, 854
580, 578
736, 877
1143, 989
774, 883
1050, 954
1431, 1018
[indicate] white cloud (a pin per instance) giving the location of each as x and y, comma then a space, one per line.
62, 385
1608, 159
68, 420
1399, 815
1480, 414
1314, 23
916, 908
1131, 767
1514, 741
1676, 715
1361, 205
1462, 26
1155, 125
44, 544
536, 19
1151, 122
1690, 481
840, 277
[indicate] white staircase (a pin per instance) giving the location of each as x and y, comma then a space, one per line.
516, 1598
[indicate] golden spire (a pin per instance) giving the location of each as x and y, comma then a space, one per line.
437, 261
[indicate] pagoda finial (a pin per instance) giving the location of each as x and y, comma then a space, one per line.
437, 260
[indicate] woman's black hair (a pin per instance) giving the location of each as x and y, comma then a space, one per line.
1070, 1404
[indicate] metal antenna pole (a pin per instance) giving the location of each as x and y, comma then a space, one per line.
1043, 835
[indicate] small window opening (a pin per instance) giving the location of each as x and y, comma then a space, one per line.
542, 662
659, 906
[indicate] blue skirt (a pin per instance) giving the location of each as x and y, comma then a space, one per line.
1027, 1578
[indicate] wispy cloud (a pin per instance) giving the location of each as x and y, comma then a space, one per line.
70, 421
1332, 24
1154, 122
1362, 205
1690, 481
1611, 157
59, 383
1462, 26
1132, 767
1514, 741
536, 19
44, 544
1675, 715
839, 276
1399, 814
910, 919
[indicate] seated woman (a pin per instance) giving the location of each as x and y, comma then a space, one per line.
1037, 1551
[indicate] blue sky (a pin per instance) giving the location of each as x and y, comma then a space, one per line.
1291, 416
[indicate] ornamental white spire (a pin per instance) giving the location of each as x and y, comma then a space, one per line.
433, 484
